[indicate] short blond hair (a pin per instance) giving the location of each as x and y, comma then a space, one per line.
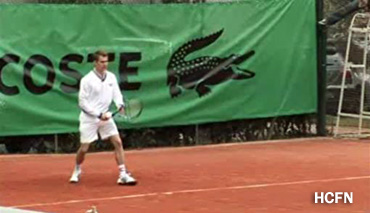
100, 53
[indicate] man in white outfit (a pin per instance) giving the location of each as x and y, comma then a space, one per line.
97, 91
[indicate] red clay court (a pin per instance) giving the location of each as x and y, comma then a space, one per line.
274, 176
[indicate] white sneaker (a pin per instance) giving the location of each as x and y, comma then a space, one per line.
75, 176
126, 179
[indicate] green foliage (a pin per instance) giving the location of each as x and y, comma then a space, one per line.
222, 132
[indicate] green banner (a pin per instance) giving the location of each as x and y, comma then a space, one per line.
187, 63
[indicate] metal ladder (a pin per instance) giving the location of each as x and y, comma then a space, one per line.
364, 30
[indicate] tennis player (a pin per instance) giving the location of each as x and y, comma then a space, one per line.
97, 91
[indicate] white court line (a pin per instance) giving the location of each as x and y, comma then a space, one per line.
165, 149
192, 191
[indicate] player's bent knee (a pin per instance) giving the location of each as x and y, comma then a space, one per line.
84, 148
116, 141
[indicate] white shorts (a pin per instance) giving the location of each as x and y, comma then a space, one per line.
89, 130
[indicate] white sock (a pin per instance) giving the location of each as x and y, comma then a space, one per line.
122, 169
77, 168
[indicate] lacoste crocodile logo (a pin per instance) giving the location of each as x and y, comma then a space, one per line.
202, 72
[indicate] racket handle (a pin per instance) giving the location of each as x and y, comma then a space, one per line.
115, 113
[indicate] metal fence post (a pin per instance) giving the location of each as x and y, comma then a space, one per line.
321, 70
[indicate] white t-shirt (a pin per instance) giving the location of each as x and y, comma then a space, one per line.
96, 95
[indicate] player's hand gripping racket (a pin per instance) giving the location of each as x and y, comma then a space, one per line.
132, 110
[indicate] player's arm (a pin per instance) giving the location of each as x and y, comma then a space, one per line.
83, 100
117, 97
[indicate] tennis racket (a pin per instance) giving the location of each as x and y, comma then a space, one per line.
133, 109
